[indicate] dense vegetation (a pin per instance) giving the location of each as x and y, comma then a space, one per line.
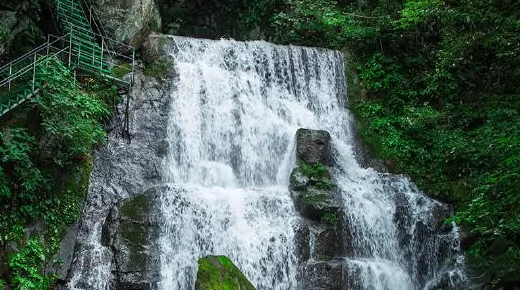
44, 168
438, 97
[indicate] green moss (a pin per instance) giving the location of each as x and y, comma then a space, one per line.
136, 208
324, 184
122, 69
313, 169
76, 189
331, 219
135, 237
219, 273
133, 230
157, 68
315, 199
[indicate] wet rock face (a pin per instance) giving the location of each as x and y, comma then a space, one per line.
19, 31
321, 236
129, 21
313, 146
218, 272
123, 168
322, 275
130, 232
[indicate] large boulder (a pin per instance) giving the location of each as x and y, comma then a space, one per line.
321, 236
314, 191
219, 273
129, 21
313, 146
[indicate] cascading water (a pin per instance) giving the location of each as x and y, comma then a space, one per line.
235, 109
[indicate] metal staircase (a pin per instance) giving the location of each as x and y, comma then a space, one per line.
19, 80
80, 48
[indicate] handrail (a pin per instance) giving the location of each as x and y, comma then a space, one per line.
35, 50
98, 58
28, 68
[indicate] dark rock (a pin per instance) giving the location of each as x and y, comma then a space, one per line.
65, 253
119, 172
315, 203
19, 30
321, 236
302, 242
467, 238
313, 146
329, 244
130, 235
322, 276
218, 272
131, 241
298, 180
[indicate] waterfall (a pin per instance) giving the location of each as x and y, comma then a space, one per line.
234, 108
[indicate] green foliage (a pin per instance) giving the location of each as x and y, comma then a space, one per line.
321, 23
26, 265
71, 118
219, 273
418, 11
313, 169
45, 165
440, 102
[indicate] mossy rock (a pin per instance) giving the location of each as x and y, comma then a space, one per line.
219, 273
316, 203
137, 208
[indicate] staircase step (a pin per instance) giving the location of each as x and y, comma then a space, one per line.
80, 36
94, 67
93, 61
70, 8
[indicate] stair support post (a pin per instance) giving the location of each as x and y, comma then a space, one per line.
90, 15
101, 59
70, 46
10, 73
48, 44
34, 72
133, 67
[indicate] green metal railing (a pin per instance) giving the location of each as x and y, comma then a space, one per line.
80, 48
18, 79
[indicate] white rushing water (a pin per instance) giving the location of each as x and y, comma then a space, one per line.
235, 109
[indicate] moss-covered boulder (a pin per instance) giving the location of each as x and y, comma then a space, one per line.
321, 237
314, 191
219, 273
